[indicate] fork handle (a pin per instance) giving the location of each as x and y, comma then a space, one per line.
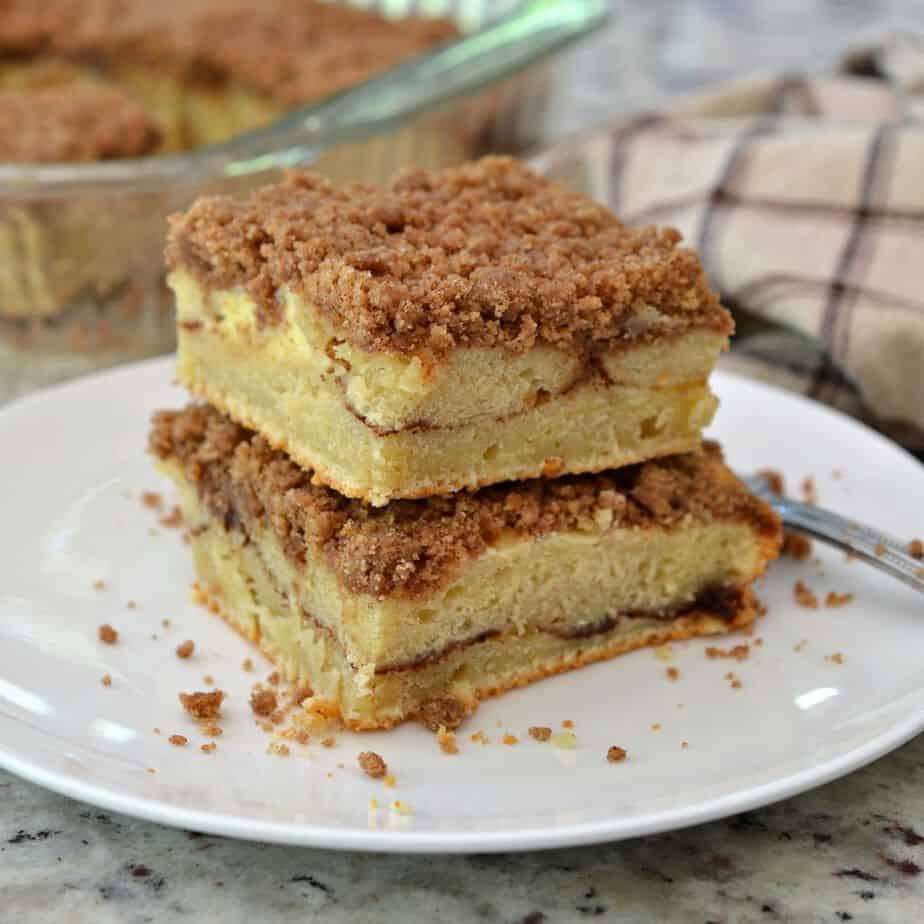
880, 550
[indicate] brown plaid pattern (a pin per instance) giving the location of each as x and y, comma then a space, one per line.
805, 198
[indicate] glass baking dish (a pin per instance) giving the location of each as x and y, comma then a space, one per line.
81, 265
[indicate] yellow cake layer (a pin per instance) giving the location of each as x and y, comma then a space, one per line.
248, 596
386, 425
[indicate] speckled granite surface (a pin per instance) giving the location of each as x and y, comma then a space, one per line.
850, 851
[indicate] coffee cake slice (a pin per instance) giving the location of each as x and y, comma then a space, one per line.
451, 330
386, 611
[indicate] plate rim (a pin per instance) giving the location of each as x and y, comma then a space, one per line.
309, 834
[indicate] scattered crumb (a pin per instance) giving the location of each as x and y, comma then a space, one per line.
203, 705
156, 731
151, 770
247, 665
154, 637
774, 480
278, 748
837, 474
567, 724
165, 623
656, 726
402, 808
211, 731
328, 742
274, 679
920, 573
263, 702
565, 740
509, 739
758, 642
389, 780
106, 680
266, 727
879, 549
733, 681
738, 652
208, 680
916, 549
173, 519
480, 736
107, 634
809, 492
804, 597
684, 745
834, 599
539, 732
99, 585
800, 645
664, 652
447, 741
672, 673
340, 767
152, 531
208, 748
131, 605
836, 658
185, 649
179, 740
445, 712
796, 546
372, 764
151, 499
373, 803
616, 754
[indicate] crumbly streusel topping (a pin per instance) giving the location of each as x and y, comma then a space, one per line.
412, 546
484, 254
293, 50
74, 122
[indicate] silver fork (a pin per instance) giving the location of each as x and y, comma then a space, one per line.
878, 549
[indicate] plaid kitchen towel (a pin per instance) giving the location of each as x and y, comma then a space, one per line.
805, 198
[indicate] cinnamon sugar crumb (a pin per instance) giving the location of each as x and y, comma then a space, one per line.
372, 764
274, 679
774, 480
672, 673
540, 732
615, 754
106, 680
203, 705
179, 740
447, 741
738, 652
263, 702
185, 649
836, 658
107, 634
509, 739
208, 748
99, 585
809, 492
152, 500
834, 599
796, 546
804, 597
916, 549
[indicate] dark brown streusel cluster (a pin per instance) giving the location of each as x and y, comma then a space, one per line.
411, 546
484, 254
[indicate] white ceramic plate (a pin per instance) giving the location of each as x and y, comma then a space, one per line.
73, 454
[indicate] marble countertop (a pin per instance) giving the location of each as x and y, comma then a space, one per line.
850, 851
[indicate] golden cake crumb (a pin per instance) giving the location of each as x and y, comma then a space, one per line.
152, 500
565, 740
178, 740
372, 764
834, 599
444, 712
774, 480
796, 545
738, 652
131, 605
263, 702
278, 748
664, 653
274, 679
616, 754
247, 665
540, 732
402, 808
107, 634
733, 681
211, 731
328, 742
672, 673
389, 780
203, 705
758, 642
208, 748
567, 724
151, 770
809, 493
879, 549
480, 737
106, 680
447, 740
509, 739
373, 803
836, 658
185, 649
656, 727
916, 549
804, 597
156, 731
165, 623
172, 520
208, 680
684, 745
